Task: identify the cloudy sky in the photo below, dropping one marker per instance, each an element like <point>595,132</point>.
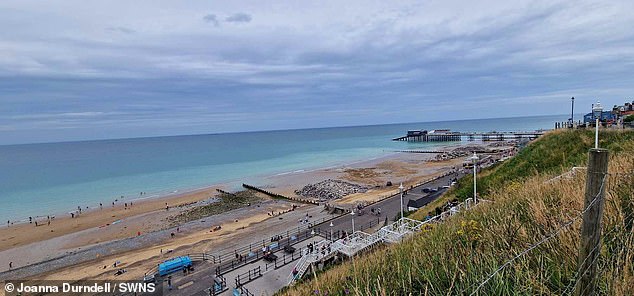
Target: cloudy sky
<point>81,69</point>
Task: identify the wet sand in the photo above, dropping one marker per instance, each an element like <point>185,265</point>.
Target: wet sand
<point>25,233</point>
<point>26,244</point>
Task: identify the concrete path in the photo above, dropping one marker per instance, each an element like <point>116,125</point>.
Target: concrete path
<point>274,279</point>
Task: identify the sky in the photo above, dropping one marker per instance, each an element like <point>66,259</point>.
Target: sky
<point>76,69</point>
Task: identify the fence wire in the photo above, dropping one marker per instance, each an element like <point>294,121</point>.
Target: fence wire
<point>545,239</point>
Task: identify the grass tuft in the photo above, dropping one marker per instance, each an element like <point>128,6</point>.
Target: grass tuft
<point>456,256</point>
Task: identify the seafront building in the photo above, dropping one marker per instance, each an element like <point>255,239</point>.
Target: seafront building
<point>609,117</point>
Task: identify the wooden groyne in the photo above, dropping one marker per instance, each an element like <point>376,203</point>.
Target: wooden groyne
<point>446,136</point>
<point>276,195</point>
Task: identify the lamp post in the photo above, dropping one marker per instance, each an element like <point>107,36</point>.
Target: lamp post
<point>597,112</point>
<point>400,188</point>
<point>474,160</point>
<point>572,113</point>
<point>331,226</point>
<point>352,213</point>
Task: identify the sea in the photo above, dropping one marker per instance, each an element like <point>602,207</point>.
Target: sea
<point>55,178</point>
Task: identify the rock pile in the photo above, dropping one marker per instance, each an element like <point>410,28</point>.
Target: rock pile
<point>462,151</point>
<point>504,143</point>
<point>330,189</point>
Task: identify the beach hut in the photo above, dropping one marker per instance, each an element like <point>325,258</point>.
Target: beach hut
<point>174,264</point>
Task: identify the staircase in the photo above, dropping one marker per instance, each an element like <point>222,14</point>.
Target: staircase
<point>360,240</point>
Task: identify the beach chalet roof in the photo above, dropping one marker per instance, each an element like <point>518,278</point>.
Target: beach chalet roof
<point>423,201</point>
<point>419,203</point>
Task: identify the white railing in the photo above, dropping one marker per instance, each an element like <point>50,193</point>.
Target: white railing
<point>321,249</point>
<point>360,240</point>
<point>299,266</point>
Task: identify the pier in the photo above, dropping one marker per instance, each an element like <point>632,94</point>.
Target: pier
<point>447,136</point>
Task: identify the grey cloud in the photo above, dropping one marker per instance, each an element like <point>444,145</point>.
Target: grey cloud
<point>123,30</point>
<point>510,58</point>
<point>239,18</point>
<point>212,19</point>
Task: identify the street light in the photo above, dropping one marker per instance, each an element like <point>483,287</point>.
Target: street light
<point>597,112</point>
<point>352,213</point>
<point>474,160</point>
<point>572,113</point>
<point>400,188</point>
<point>331,226</point>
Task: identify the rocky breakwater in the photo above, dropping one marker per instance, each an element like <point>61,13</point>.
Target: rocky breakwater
<point>457,152</point>
<point>330,189</point>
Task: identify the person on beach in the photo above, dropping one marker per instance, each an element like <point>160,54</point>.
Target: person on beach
<point>100,206</point>
<point>8,223</point>
<point>49,222</point>
<point>30,220</point>
<point>10,265</point>
<point>72,215</point>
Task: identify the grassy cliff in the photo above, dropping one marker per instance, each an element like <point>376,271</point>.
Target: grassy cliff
<point>456,256</point>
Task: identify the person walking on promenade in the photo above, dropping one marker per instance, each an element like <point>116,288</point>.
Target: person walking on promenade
<point>10,265</point>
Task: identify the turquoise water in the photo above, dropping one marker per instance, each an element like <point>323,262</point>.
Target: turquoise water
<point>41,179</point>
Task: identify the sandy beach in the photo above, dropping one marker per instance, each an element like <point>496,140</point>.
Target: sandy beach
<point>25,244</point>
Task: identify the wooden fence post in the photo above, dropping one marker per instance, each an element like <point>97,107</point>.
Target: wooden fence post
<point>589,248</point>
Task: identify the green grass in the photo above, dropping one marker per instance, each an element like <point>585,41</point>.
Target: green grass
<point>555,153</point>
<point>456,256</point>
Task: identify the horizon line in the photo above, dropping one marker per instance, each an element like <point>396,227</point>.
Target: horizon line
<point>263,131</point>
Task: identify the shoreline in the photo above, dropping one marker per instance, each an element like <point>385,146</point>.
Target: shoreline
<point>111,215</point>
<point>183,191</point>
<point>96,227</point>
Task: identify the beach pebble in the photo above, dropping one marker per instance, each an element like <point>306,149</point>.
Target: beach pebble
<point>330,189</point>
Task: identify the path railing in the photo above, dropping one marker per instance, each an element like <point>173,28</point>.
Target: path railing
<point>248,276</point>
<point>359,240</point>
<point>250,253</point>
<point>219,286</point>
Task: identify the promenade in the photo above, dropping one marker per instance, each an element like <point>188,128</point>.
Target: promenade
<point>261,277</point>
